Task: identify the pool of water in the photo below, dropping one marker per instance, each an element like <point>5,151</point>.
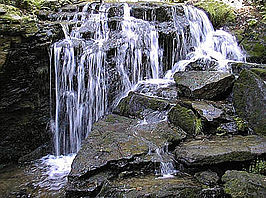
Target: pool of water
<point>45,178</point>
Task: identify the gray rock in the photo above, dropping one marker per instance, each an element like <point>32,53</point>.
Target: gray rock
<point>208,178</point>
<point>203,84</point>
<point>151,186</point>
<point>249,99</point>
<point>136,105</point>
<point>207,111</point>
<point>243,184</point>
<point>117,144</point>
<point>220,150</point>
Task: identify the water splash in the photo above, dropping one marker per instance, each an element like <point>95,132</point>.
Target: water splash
<point>208,44</point>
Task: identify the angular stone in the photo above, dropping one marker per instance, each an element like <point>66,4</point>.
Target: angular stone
<point>136,105</point>
<point>151,186</point>
<point>185,119</point>
<point>244,184</point>
<point>117,144</point>
<point>237,67</point>
<point>220,150</point>
<point>207,111</point>
<point>208,178</point>
<point>203,84</point>
<point>249,99</point>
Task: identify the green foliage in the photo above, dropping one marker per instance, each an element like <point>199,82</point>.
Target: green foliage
<point>219,12</point>
<point>259,167</point>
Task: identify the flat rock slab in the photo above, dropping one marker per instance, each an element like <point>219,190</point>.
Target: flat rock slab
<point>116,144</point>
<point>220,150</point>
<point>210,85</point>
<point>152,186</point>
<point>244,184</point>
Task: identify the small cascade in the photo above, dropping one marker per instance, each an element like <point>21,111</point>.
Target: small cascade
<point>166,163</point>
<point>207,44</point>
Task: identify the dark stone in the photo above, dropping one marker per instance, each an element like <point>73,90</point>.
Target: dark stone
<point>115,145</point>
<point>243,184</point>
<point>151,186</point>
<point>136,105</point>
<point>202,64</point>
<point>208,178</point>
<point>249,94</point>
<point>186,119</point>
<point>203,84</point>
<point>259,69</point>
<point>220,150</point>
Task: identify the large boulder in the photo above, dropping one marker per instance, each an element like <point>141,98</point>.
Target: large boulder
<point>204,84</point>
<point>220,150</point>
<point>119,144</point>
<point>249,93</point>
<point>243,184</point>
<point>138,105</point>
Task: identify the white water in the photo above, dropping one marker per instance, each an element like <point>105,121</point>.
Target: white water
<point>81,72</point>
<point>208,44</point>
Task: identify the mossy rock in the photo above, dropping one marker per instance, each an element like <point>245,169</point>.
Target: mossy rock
<point>221,150</point>
<point>240,184</point>
<point>186,119</point>
<point>249,94</point>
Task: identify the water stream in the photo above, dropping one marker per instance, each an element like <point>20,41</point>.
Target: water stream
<point>84,71</point>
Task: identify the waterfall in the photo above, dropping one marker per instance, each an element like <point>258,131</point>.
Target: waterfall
<point>81,69</point>
<point>101,58</point>
<point>208,44</point>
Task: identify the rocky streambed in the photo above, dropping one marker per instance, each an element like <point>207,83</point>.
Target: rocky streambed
<point>202,135</point>
<point>191,145</point>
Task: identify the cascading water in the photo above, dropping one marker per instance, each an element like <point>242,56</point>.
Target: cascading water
<point>97,49</point>
<point>208,44</point>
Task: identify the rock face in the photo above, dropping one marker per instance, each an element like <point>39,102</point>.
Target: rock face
<point>151,186</point>
<point>243,184</point>
<point>203,84</point>
<point>118,144</point>
<point>249,93</point>
<point>220,150</point>
<point>24,82</point>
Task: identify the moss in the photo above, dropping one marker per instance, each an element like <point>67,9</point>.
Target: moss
<point>260,72</point>
<point>185,119</point>
<point>259,167</point>
<point>241,124</point>
<point>219,12</point>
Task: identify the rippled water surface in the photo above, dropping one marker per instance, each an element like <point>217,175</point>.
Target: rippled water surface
<point>45,177</point>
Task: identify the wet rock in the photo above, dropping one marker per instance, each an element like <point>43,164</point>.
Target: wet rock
<point>151,186</point>
<point>136,105</point>
<point>237,126</point>
<point>207,111</point>
<point>259,69</point>
<point>208,178</point>
<point>243,184</point>
<point>167,91</point>
<point>186,119</point>
<point>203,84</point>
<point>115,145</point>
<point>220,150</point>
<point>249,94</point>
<point>202,64</point>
